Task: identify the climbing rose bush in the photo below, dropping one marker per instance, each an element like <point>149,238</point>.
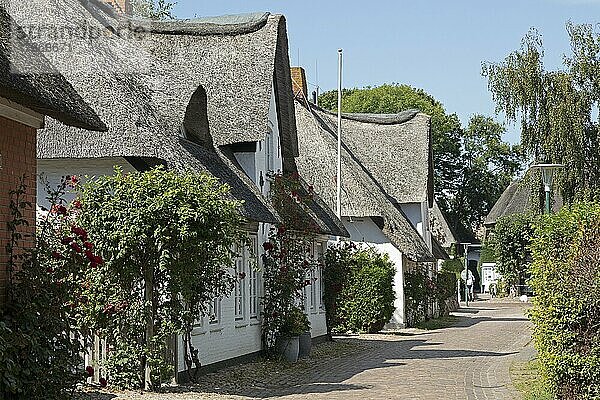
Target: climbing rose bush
<point>167,239</point>
<point>40,346</point>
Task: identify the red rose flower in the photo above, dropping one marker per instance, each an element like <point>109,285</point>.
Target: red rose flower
<point>268,246</point>
<point>76,204</point>
<point>281,230</point>
<point>103,382</point>
<point>56,255</point>
<point>76,247</point>
<point>72,180</point>
<point>98,260</point>
<point>90,256</point>
<point>88,245</point>
<point>79,232</point>
<point>89,370</point>
<point>59,209</point>
<point>66,240</point>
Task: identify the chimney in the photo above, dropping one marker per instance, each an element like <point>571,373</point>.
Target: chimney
<point>121,6</point>
<point>299,86</point>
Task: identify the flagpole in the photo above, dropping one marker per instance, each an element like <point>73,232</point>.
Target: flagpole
<point>339,138</point>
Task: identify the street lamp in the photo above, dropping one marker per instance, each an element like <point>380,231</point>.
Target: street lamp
<point>547,175</point>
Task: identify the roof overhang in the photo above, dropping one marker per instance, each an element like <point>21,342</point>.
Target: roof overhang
<point>23,115</point>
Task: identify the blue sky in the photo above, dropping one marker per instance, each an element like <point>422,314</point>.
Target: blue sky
<point>436,45</point>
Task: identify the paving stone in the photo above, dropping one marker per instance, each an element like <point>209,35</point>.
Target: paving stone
<point>468,361</point>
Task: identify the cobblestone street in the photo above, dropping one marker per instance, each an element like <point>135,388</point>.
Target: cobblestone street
<point>468,361</point>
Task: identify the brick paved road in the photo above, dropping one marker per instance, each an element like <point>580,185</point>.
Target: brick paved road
<point>468,361</point>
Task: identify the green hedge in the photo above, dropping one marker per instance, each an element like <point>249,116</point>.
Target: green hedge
<point>566,312</point>
<point>359,289</point>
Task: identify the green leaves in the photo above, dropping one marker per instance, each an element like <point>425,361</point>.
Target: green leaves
<point>555,108</point>
<point>566,313</point>
<point>510,243</point>
<point>359,295</point>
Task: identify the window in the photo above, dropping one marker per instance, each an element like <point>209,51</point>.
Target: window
<point>269,150</point>
<point>313,292</point>
<point>240,273</point>
<point>253,281</point>
<point>214,311</point>
<point>319,252</point>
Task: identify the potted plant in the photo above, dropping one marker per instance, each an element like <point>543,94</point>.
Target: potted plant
<point>288,340</point>
<point>305,338</point>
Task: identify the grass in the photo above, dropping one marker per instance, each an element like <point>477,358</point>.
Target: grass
<point>438,323</point>
<point>526,378</point>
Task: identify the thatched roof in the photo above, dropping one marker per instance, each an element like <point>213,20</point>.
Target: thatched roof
<point>239,61</point>
<point>395,148</point>
<point>362,196</point>
<point>29,79</point>
<point>438,250</point>
<point>519,198</point>
<point>128,87</point>
<point>440,228</point>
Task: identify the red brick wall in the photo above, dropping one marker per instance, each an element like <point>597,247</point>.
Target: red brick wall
<point>18,158</point>
<point>122,6</point>
<point>299,85</point>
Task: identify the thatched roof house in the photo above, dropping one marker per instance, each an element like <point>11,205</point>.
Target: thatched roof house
<point>28,79</point>
<point>395,149</point>
<point>362,195</point>
<point>240,61</point>
<point>521,197</point>
<point>127,86</point>
<point>440,228</point>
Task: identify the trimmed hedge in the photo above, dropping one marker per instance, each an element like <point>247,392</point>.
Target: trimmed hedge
<point>359,289</point>
<point>566,312</point>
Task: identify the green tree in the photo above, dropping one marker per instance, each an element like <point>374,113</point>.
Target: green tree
<point>555,108</point>
<point>488,166</point>
<point>153,9</point>
<point>510,243</point>
<point>168,243</point>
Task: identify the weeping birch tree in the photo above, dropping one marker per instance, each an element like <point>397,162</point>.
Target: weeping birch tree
<point>557,109</point>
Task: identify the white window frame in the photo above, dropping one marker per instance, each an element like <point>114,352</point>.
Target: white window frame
<point>319,253</point>
<point>254,283</point>
<point>269,159</point>
<point>312,301</point>
<point>239,294</point>
<point>214,311</point>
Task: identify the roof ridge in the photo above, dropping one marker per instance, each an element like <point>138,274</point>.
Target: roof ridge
<point>374,118</point>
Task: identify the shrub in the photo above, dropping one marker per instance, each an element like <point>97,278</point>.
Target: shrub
<point>565,275</point>
<point>446,292</point>
<point>364,294</point>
